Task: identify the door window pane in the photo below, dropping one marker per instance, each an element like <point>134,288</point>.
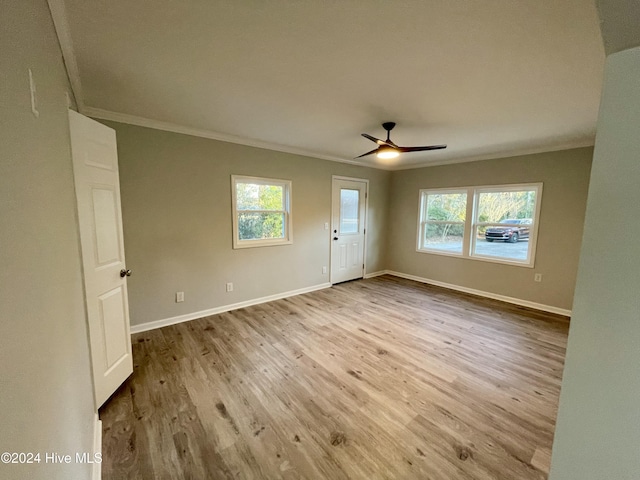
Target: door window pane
<point>349,211</point>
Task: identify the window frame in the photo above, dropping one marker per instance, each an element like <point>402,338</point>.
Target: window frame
<point>287,239</point>
<point>472,224</point>
<point>423,221</point>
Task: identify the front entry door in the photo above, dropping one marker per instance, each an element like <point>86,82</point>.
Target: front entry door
<point>349,201</point>
<point>95,170</point>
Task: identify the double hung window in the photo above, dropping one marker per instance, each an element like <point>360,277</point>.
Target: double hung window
<point>261,211</point>
<point>493,223</point>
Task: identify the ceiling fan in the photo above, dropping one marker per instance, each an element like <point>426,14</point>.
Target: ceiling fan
<point>388,149</point>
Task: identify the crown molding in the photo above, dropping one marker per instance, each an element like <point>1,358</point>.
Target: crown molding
<point>223,137</point>
<point>506,154</point>
<point>63,32</point>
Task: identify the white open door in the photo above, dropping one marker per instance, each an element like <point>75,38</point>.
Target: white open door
<point>95,168</point>
<point>349,215</point>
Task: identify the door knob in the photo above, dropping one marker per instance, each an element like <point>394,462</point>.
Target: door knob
<point>125,273</point>
<point>335,238</point>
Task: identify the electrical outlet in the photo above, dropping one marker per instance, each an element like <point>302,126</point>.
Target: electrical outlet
<point>324,270</point>
<point>229,287</point>
<point>537,277</point>
<point>179,297</point>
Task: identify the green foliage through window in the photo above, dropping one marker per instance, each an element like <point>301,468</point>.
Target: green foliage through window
<point>255,196</point>
<point>441,209</point>
<point>262,208</point>
<point>493,207</point>
<point>260,225</point>
<point>496,223</point>
<point>447,206</point>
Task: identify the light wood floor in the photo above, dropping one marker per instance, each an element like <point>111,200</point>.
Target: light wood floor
<point>375,379</point>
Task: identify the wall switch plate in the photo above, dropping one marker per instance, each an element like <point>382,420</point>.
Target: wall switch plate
<point>229,287</point>
<point>179,297</point>
<point>324,270</point>
<point>326,225</point>
<point>537,277</point>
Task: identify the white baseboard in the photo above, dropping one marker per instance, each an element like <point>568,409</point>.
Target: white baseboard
<point>481,293</point>
<point>143,327</point>
<point>375,274</point>
<point>96,471</point>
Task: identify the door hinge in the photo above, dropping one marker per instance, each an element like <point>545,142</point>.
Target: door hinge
<point>364,231</point>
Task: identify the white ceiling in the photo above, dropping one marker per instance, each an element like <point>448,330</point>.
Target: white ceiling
<point>489,78</point>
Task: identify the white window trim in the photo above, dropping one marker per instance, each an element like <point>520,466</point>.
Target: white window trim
<point>267,242</point>
<point>470,224</point>
<point>422,223</point>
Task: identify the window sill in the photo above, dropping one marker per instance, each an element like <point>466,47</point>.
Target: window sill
<point>259,243</point>
<point>514,263</point>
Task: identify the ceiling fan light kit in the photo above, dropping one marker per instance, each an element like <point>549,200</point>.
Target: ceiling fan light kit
<point>387,149</point>
<point>386,152</point>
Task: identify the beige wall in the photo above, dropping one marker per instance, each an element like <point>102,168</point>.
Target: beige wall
<point>176,198</point>
<point>598,429</point>
<point>176,202</point>
<point>46,401</point>
<point>619,20</point>
<point>565,175</point>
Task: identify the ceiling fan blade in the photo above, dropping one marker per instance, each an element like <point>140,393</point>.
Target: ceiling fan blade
<point>421,149</point>
<point>374,139</point>
<point>368,153</point>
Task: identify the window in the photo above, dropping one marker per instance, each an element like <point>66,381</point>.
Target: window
<point>443,223</point>
<point>261,211</point>
<point>504,221</point>
<point>349,203</point>
<point>496,224</point>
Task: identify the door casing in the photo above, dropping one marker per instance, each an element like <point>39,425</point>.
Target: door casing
<point>336,180</point>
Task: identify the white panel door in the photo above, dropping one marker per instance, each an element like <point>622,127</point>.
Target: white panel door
<point>95,169</point>
<point>349,201</point>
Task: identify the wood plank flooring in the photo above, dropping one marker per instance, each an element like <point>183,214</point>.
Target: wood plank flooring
<point>382,378</point>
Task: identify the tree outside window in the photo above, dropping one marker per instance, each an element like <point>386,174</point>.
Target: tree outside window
<point>262,209</point>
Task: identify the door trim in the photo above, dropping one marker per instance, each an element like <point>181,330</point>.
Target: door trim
<point>366,222</point>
